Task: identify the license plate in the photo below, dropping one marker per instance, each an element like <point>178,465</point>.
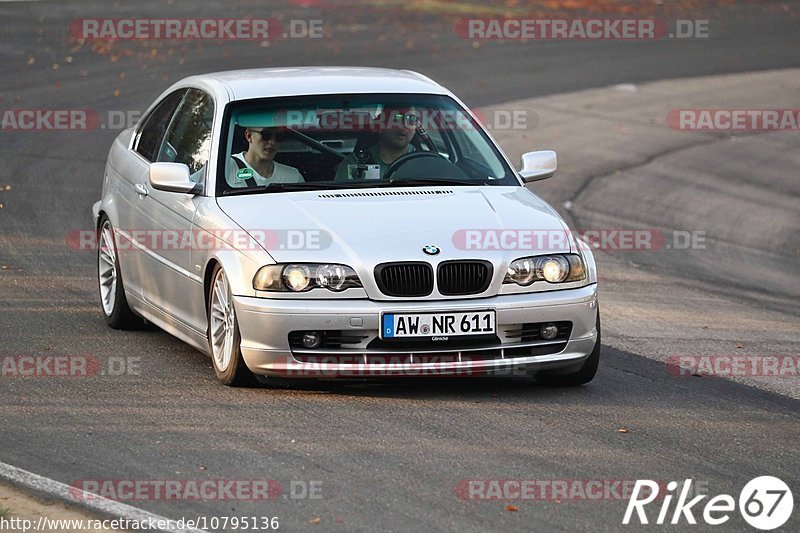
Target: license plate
<point>427,325</point>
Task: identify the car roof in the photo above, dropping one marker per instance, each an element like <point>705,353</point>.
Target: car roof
<point>301,81</point>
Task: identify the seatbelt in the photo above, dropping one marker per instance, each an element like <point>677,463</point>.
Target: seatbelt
<point>251,182</point>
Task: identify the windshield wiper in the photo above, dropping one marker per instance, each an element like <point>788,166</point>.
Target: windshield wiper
<point>428,181</point>
<point>284,187</point>
<point>326,185</point>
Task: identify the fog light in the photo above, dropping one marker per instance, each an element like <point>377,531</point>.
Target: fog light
<point>311,339</point>
<point>549,331</point>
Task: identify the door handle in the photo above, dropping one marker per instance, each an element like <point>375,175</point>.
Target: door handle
<point>141,189</point>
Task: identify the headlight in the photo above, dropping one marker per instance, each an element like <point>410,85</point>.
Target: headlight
<point>297,277</point>
<point>555,269</point>
<point>522,271</point>
<point>550,268</point>
<point>332,277</point>
<point>304,277</point>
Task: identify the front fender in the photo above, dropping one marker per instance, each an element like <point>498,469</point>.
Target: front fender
<point>96,213</point>
<point>239,269</point>
<point>588,258</point>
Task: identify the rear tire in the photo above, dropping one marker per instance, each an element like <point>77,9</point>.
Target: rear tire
<point>580,377</point>
<point>224,340</point>
<point>115,307</point>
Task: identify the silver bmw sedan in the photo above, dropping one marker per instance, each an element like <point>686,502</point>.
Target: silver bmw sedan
<point>340,222</point>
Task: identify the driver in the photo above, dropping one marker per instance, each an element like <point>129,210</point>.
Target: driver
<point>394,141</point>
<point>257,165</point>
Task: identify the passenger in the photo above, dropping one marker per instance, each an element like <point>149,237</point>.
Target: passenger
<point>257,165</point>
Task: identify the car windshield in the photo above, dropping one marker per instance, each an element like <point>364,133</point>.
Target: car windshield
<point>355,141</point>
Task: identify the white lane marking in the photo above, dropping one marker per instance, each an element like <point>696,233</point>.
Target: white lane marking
<point>57,490</point>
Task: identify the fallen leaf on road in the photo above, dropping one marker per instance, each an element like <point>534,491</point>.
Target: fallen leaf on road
<point>512,508</point>
<point>623,430</point>
<point>314,521</point>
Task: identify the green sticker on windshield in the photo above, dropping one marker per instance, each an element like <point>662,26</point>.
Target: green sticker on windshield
<point>245,173</point>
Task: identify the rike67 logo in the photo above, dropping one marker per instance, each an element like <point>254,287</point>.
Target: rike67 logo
<point>765,503</point>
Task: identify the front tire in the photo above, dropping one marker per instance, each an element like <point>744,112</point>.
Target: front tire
<point>224,340</point>
<point>115,307</point>
<point>580,377</point>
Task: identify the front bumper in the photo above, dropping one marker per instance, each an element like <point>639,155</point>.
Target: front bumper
<point>265,325</point>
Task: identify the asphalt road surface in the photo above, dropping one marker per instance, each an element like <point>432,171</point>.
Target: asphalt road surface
<point>390,455</point>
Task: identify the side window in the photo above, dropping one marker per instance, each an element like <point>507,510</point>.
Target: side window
<point>188,140</point>
<point>152,132</point>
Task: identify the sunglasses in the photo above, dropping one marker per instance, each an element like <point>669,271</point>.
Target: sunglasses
<point>407,118</point>
<point>270,134</point>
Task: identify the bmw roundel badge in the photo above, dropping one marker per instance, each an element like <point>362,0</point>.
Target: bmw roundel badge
<point>431,249</point>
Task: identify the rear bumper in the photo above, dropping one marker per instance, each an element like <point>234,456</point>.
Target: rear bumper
<point>265,325</point>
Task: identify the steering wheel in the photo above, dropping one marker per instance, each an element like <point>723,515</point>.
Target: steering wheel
<point>411,156</point>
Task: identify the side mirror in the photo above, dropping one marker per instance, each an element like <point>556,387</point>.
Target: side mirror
<point>172,177</point>
<point>538,165</point>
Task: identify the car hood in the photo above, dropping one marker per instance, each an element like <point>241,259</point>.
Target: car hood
<point>365,227</point>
